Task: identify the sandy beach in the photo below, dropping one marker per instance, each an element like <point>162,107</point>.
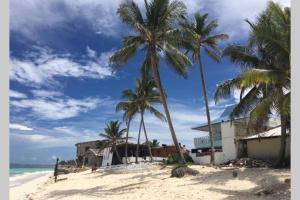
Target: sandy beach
<point>211,183</point>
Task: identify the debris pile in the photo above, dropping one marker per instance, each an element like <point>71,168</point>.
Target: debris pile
<point>247,162</point>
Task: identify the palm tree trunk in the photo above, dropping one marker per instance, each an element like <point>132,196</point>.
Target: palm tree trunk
<point>126,141</point>
<point>117,153</point>
<point>155,70</point>
<point>138,144</point>
<point>146,136</point>
<point>281,158</point>
<point>211,136</point>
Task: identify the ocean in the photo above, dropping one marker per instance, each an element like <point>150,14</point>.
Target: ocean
<point>20,174</point>
<point>18,171</point>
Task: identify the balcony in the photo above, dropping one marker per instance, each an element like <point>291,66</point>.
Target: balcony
<point>204,142</point>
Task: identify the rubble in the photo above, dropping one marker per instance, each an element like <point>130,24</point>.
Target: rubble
<point>247,162</point>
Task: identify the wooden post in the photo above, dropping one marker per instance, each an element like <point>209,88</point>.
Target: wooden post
<point>56,170</point>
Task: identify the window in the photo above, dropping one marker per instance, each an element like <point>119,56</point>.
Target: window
<point>87,148</point>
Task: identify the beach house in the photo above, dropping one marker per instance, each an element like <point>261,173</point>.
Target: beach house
<point>90,153</point>
<point>229,138</point>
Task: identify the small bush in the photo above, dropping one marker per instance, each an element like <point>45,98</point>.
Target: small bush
<point>174,158</point>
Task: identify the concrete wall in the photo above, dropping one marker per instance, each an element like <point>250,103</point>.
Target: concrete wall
<point>267,149</point>
<point>107,157</point>
<point>81,147</point>
<point>219,158</point>
<point>228,144</point>
<point>228,147</point>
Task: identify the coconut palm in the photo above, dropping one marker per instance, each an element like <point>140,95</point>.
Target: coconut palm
<point>153,143</point>
<point>113,135</point>
<point>199,37</point>
<point>266,71</point>
<point>130,109</point>
<point>155,33</point>
<point>147,95</point>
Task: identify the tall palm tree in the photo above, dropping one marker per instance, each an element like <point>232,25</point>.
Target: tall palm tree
<point>156,32</point>
<point>130,109</point>
<point>147,95</point>
<point>113,136</point>
<point>266,63</point>
<point>199,37</point>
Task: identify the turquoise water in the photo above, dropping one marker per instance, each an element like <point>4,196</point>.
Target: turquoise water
<point>18,171</point>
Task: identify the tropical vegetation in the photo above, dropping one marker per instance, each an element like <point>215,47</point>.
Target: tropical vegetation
<point>156,33</point>
<point>142,99</point>
<point>264,83</point>
<point>199,37</point>
<point>113,135</point>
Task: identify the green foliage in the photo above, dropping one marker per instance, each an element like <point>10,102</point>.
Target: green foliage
<point>266,63</point>
<point>156,32</point>
<point>113,134</point>
<point>174,158</point>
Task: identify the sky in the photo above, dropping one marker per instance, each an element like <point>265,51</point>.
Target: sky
<point>63,91</point>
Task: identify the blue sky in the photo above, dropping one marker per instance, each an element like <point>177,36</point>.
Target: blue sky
<point>62,89</point>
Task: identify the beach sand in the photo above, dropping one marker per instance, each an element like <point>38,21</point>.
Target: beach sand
<point>211,184</point>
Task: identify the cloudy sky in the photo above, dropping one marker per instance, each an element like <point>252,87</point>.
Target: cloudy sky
<point>62,90</point>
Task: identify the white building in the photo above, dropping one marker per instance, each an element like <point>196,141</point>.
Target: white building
<point>227,138</point>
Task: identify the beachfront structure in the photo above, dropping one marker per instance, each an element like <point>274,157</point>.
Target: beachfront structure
<point>228,138</point>
<point>91,154</point>
<point>266,145</point>
<point>165,150</point>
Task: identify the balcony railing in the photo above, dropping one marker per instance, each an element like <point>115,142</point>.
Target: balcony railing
<point>204,142</point>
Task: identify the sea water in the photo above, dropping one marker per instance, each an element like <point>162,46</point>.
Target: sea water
<point>21,175</point>
<point>18,171</point>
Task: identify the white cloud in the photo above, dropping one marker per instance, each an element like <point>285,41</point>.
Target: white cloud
<point>46,93</point>
<point>28,16</point>
<point>41,68</point>
<point>231,14</point>
<point>16,94</point>
<point>56,108</point>
<point>19,127</point>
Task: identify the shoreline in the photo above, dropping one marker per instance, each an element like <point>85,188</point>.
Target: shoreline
<point>21,186</point>
<point>20,179</point>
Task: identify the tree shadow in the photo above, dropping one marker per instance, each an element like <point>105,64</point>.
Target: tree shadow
<point>97,191</point>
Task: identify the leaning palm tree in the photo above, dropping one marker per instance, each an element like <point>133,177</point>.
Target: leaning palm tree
<point>113,136</point>
<point>147,95</point>
<point>156,33</point>
<point>266,74</point>
<point>199,37</point>
<point>129,108</point>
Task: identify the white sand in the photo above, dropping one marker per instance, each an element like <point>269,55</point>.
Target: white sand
<point>211,184</point>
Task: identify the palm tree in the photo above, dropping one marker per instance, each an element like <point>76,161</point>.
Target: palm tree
<point>266,63</point>
<point>154,143</point>
<point>156,32</point>
<point>130,109</point>
<point>113,136</point>
<point>198,36</point>
<point>147,95</point>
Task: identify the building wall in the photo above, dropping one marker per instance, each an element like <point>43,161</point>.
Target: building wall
<point>81,147</point>
<point>107,157</point>
<point>219,158</point>
<point>228,141</point>
<point>229,150</point>
<point>267,149</point>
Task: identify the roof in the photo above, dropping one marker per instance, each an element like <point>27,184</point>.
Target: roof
<point>225,116</point>
<point>274,132</point>
<point>87,142</point>
<point>96,152</point>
